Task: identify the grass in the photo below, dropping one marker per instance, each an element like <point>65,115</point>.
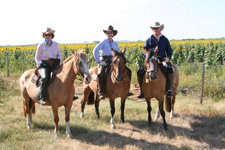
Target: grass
<point>195,126</point>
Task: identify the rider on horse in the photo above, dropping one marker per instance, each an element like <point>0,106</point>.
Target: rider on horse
<point>164,52</point>
<point>47,57</point>
<point>105,59</point>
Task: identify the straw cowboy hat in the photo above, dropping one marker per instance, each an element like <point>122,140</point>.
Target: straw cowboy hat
<point>49,30</point>
<point>110,28</point>
<point>157,25</point>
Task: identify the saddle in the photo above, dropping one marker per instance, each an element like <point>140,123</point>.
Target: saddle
<point>36,78</point>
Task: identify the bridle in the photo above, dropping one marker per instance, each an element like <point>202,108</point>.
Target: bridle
<point>124,79</point>
<point>77,67</point>
<point>155,71</point>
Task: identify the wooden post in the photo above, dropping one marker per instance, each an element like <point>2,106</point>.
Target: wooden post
<point>203,76</point>
<point>7,66</point>
<point>23,63</point>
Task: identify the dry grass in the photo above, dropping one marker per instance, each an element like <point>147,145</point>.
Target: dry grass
<point>195,126</point>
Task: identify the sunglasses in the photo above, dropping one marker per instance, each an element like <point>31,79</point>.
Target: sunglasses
<point>109,32</point>
<point>155,28</point>
<point>48,34</point>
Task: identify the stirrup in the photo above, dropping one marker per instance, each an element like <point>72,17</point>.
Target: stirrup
<point>102,96</point>
<point>42,102</point>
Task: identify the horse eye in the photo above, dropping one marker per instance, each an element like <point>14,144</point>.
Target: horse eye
<point>114,62</point>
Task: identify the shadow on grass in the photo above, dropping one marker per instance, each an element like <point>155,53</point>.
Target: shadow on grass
<point>210,130</point>
<point>102,138</point>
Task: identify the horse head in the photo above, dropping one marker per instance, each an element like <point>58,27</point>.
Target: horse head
<point>119,64</point>
<point>81,66</point>
<point>151,64</point>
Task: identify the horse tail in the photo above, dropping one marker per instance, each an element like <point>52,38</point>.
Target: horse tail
<point>24,109</point>
<point>34,108</point>
<point>168,104</point>
<point>91,98</point>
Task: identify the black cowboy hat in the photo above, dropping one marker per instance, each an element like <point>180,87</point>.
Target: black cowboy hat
<point>110,28</point>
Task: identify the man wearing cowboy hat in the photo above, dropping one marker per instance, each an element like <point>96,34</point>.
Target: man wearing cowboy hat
<point>47,56</point>
<point>104,48</point>
<point>164,51</point>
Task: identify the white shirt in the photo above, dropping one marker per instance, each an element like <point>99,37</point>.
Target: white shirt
<point>45,52</point>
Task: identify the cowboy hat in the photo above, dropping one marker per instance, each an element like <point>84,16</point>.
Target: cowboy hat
<point>49,30</point>
<point>110,28</point>
<point>157,25</point>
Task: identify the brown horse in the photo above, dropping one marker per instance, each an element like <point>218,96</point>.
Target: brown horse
<point>154,86</point>
<point>118,85</point>
<point>60,90</point>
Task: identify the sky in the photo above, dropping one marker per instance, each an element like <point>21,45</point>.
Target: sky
<point>76,21</point>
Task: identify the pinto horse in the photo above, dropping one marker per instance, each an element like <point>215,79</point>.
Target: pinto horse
<point>154,86</point>
<point>60,90</point>
<point>118,85</point>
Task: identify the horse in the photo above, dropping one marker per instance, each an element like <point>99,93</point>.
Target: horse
<point>154,86</point>
<point>118,85</point>
<point>60,90</point>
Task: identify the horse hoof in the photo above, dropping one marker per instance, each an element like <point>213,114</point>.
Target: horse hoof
<point>113,127</point>
<point>56,135</point>
<point>69,135</point>
<point>81,115</point>
<point>29,127</point>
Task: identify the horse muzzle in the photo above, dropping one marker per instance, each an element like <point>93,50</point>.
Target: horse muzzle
<point>119,78</point>
<point>87,78</point>
<point>151,76</point>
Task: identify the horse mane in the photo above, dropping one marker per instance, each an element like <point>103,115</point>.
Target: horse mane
<point>68,59</point>
<point>150,53</point>
<point>118,53</point>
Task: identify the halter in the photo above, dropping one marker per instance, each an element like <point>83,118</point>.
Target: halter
<point>76,68</point>
<point>123,69</point>
<point>153,71</point>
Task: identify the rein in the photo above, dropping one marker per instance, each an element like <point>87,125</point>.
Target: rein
<point>122,74</point>
<point>68,75</point>
<point>153,71</point>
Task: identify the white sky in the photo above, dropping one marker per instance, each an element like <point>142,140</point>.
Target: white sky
<point>23,21</point>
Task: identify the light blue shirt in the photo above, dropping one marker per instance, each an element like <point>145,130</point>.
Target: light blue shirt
<point>104,48</point>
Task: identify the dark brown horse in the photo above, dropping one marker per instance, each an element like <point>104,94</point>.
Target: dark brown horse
<point>60,91</point>
<point>118,85</point>
<point>154,86</point>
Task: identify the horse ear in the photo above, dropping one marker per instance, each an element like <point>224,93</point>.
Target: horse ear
<point>113,52</point>
<point>72,52</point>
<point>81,50</point>
<point>124,51</point>
<point>145,51</point>
<point>156,49</point>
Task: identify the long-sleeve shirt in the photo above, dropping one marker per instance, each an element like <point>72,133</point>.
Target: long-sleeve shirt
<point>104,48</point>
<point>164,48</point>
<point>45,52</point>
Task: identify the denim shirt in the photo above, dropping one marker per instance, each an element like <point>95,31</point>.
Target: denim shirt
<point>104,48</point>
<point>164,48</point>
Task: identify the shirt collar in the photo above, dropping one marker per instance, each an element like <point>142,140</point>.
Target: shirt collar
<point>157,37</point>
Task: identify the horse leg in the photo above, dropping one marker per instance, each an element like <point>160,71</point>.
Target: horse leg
<point>149,109</point>
<point>67,119</point>
<point>86,93</point>
<point>27,110</point>
<point>157,114</point>
<point>97,106</point>
<point>162,112</point>
<point>112,104</point>
<point>172,108</point>
<point>56,120</point>
<point>123,100</point>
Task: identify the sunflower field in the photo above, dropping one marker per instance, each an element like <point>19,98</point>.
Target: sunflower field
<point>187,55</point>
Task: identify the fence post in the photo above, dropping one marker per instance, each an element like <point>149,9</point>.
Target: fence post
<point>203,77</point>
<point>23,63</point>
<point>7,65</point>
